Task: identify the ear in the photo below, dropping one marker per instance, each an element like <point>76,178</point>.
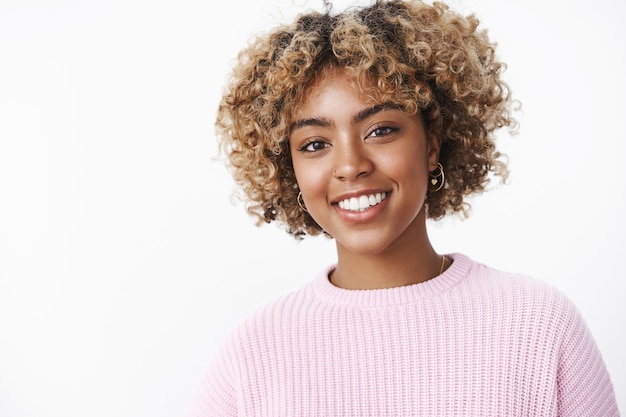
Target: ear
<point>434,146</point>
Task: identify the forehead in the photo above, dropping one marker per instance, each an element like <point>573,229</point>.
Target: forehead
<point>329,84</point>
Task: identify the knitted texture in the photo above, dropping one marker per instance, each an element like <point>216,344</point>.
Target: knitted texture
<point>473,341</point>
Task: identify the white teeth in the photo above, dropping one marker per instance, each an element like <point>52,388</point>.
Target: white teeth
<point>363,202</point>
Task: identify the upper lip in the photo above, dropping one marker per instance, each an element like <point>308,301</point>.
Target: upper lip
<point>356,194</point>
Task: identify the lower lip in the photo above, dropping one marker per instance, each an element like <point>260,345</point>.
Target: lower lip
<point>361,216</point>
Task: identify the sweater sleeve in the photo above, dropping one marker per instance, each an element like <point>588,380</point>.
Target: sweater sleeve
<point>584,385</point>
<point>217,395</point>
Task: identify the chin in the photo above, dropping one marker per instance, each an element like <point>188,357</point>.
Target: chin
<point>364,246</point>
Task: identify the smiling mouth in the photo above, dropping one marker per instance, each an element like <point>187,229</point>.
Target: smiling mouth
<point>362,203</point>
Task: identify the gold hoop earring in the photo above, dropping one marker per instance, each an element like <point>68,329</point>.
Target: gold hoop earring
<point>301,202</point>
<point>436,178</point>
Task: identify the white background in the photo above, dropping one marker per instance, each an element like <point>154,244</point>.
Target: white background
<point>123,263</point>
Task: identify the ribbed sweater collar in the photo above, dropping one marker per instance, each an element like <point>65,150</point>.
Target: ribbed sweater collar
<point>326,291</point>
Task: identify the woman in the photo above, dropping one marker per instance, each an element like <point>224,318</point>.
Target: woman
<point>362,125</point>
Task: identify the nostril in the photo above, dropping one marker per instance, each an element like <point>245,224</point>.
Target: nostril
<point>351,162</point>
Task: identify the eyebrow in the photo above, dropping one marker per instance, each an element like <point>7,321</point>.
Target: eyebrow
<point>313,121</point>
<point>364,114</point>
<point>359,117</point>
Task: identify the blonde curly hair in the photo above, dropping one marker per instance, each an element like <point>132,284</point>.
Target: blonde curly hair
<point>425,58</point>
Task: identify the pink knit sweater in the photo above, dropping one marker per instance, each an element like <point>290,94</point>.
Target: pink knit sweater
<point>473,341</point>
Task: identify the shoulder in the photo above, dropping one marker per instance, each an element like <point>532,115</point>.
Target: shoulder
<point>251,347</point>
<point>537,317</point>
<point>514,283</point>
<point>279,315</point>
<point>535,300</point>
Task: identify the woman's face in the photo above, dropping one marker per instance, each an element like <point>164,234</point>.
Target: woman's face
<point>362,167</point>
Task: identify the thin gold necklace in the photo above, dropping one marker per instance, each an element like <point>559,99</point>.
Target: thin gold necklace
<point>443,263</point>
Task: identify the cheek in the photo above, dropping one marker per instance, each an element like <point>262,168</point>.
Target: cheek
<point>309,176</point>
<point>411,164</point>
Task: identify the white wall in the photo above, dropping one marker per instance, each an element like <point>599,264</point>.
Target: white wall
<point>123,263</point>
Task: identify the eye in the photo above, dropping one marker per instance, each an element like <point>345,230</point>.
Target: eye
<point>313,146</point>
<point>382,131</point>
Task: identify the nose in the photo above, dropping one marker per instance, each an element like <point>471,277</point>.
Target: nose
<point>351,161</point>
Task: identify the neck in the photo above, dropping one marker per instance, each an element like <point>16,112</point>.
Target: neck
<point>411,259</point>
